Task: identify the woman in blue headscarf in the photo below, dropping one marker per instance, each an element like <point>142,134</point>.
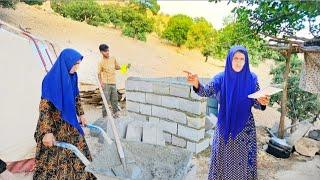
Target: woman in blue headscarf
<point>60,108</point>
<point>234,148</point>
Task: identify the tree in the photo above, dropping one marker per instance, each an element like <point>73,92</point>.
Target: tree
<point>136,24</point>
<point>33,2</point>
<point>274,18</point>
<point>177,29</point>
<point>152,5</point>
<point>200,34</point>
<point>301,104</point>
<point>8,3</point>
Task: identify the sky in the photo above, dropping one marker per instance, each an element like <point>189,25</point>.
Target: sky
<point>213,12</point>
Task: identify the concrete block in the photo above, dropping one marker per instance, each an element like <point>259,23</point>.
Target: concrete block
<point>145,86</point>
<point>194,107</point>
<point>136,96</point>
<point>177,141</point>
<point>196,122</point>
<point>190,133</point>
<point>170,102</point>
<point>195,96</point>
<point>134,131</point>
<point>161,88</point>
<point>137,117</point>
<point>199,146</point>
<point>211,122</point>
<point>154,119</point>
<point>170,127</point>
<point>138,85</point>
<point>153,134</point>
<point>159,112</point>
<point>167,137</point>
<point>153,99</point>
<point>145,109</point>
<point>177,116</point>
<point>180,90</point>
<point>210,133</point>
<point>133,106</point>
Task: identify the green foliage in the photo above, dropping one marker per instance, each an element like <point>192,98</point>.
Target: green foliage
<point>177,29</point>
<point>33,2</point>
<point>301,105</point>
<point>152,5</point>
<point>200,34</point>
<point>88,11</point>
<point>279,17</point>
<point>8,3</point>
<point>136,24</point>
<point>114,13</point>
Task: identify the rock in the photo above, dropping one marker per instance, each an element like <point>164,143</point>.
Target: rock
<point>134,131</point>
<point>307,147</point>
<point>302,129</point>
<point>314,134</point>
<point>211,122</point>
<point>153,134</point>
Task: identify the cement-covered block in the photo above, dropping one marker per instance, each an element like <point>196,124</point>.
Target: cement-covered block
<point>199,146</point>
<point>158,111</point>
<point>161,88</point>
<point>194,107</point>
<point>136,116</point>
<point>190,133</point>
<point>132,85</point>
<point>154,119</point>
<point>177,141</point>
<point>167,137</point>
<point>170,102</point>
<point>136,96</point>
<point>170,127</point>
<point>196,122</point>
<point>145,86</point>
<point>152,134</point>
<point>177,116</point>
<point>180,90</point>
<point>133,106</point>
<point>145,109</point>
<point>210,133</point>
<point>153,99</point>
<point>211,122</point>
<point>134,131</point>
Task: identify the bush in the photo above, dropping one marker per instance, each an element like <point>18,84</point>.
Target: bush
<point>8,3</point>
<point>177,29</point>
<point>88,11</point>
<point>114,13</point>
<point>33,2</point>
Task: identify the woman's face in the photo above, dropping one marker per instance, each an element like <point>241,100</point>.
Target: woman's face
<point>238,61</point>
<point>75,68</point>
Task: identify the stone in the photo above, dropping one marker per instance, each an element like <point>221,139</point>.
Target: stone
<point>196,122</point>
<point>136,96</point>
<point>301,130</point>
<point>199,146</point>
<point>180,90</point>
<point>177,116</point>
<point>190,133</point>
<point>153,99</point>
<point>153,134</point>
<point>307,147</point>
<point>134,131</point>
<point>170,102</point>
<point>158,111</point>
<point>170,127</point>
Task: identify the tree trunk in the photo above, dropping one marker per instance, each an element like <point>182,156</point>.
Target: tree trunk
<point>206,58</point>
<point>285,93</point>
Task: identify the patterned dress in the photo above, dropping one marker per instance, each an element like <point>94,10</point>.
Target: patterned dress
<point>236,160</point>
<point>54,162</point>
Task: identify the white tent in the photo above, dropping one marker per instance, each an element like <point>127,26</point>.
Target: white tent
<point>23,64</point>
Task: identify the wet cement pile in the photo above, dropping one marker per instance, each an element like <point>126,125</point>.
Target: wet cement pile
<point>144,161</point>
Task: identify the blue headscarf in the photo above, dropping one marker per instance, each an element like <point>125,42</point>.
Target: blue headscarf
<point>61,88</point>
<point>235,106</point>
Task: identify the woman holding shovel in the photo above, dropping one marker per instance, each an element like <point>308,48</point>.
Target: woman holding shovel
<point>60,109</point>
<point>234,148</point>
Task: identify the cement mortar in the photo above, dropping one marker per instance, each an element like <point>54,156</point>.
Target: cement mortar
<point>154,162</point>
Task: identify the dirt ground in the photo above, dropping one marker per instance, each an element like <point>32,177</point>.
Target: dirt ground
<point>153,58</point>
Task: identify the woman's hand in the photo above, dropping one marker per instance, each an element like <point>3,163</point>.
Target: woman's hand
<point>48,140</point>
<point>264,100</point>
<point>192,79</point>
<point>83,120</point>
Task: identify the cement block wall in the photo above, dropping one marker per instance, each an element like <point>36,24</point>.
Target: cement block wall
<point>172,103</point>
